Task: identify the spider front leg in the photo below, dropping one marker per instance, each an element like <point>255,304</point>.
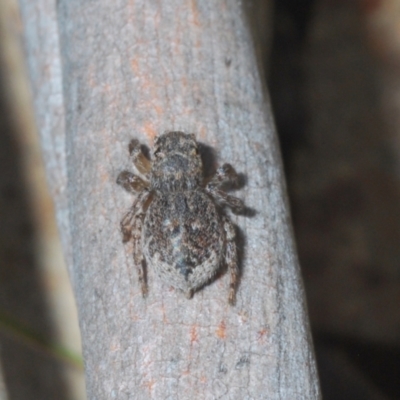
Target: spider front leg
<point>131,183</point>
<point>225,175</point>
<point>141,162</point>
<point>231,257</point>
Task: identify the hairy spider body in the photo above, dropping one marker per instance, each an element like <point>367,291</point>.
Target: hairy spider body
<point>174,223</point>
<point>191,236</point>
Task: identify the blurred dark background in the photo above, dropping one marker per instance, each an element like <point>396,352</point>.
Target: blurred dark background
<point>333,72</point>
<point>334,77</point>
<point>40,350</point>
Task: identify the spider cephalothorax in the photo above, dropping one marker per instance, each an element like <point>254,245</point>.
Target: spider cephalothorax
<point>176,163</point>
<point>175,222</point>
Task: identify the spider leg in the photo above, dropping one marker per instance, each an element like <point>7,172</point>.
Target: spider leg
<point>224,199</point>
<point>225,175</point>
<point>127,225</point>
<point>131,183</point>
<point>141,162</point>
<point>131,228</point>
<point>231,258</point>
<point>138,253</point>
<point>127,220</point>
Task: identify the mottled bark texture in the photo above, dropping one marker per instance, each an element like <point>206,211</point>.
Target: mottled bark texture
<point>136,69</point>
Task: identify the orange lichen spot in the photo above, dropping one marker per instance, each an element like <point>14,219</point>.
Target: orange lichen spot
<point>135,66</point>
<point>149,385</point>
<point>47,71</point>
<point>104,177</point>
<point>221,330</point>
<point>193,334</point>
<point>91,76</point>
<point>106,88</point>
<point>134,317</point>
<point>158,109</point>
<point>115,346</point>
<point>203,379</point>
<point>195,14</point>
<point>202,132</point>
<point>186,372</point>
<point>261,334</point>
<point>175,45</point>
<point>149,130</point>
<point>257,146</point>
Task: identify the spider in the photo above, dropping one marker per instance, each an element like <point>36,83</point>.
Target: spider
<point>175,222</point>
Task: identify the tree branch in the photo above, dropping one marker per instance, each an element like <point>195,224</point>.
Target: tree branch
<point>135,70</point>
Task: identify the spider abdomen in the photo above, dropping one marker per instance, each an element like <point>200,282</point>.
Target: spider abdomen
<point>183,238</point>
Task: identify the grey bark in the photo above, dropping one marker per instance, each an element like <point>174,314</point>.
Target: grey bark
<point>40,28</point>
<point>135,70</point>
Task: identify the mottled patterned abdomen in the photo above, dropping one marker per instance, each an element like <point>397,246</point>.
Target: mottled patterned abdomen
<point>183,238</point>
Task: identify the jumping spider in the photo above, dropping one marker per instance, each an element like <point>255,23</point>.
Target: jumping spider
<point>174,222</point>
